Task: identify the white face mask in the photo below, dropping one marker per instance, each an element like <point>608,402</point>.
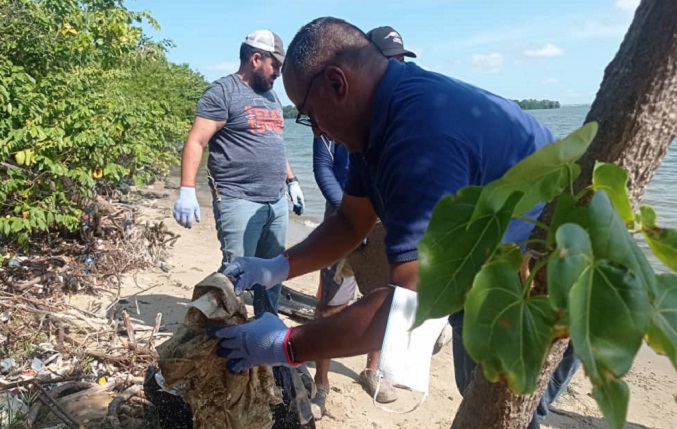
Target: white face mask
<point>406,353</point>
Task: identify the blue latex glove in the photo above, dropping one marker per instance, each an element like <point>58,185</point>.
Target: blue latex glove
<point>186,205</point>
<point>251,344</point>
<point>296,196</point>
<point>249,271</point>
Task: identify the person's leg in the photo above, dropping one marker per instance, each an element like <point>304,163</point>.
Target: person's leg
<point>272,242</point>
<point>238,227</point>
<point>335,294</point>
<point>463,363</point>
<point>556,386</point>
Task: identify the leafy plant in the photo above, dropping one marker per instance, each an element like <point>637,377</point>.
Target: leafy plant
<point>602,291</point>
<point>86,102</point>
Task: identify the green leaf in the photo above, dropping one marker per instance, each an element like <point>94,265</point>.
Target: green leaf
<point>646,217</point>
<point>566,211</point>
<point>608,314</point>
<point>505,330</point>
<point>612,241</point>
<point>614,180</point>
<point>510,253</point>
<point>453,249</point>
<point>566,264</point>
<point>661,241</point>
<point>541,176</point>
<point>608,310</point>
<point>613,398</point>
<point>662,332</point>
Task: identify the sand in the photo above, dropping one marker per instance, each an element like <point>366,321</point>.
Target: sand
<point>652,380</point>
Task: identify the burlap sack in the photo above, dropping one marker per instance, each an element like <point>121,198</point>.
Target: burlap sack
<point>218,398</point>
<point>369,263</point>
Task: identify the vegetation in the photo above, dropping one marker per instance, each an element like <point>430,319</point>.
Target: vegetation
<point>532,104</point>
<point>86,102</point>
<point>289,112</point>
<point>592,262</point>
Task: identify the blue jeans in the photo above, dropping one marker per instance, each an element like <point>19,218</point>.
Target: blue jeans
<point>246,228</point>
<point>464,365</point>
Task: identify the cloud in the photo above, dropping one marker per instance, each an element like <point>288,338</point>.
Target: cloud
<point>224,67</point>
<point>627,5</point>
<point>491,63</point>
<point>546,51</point>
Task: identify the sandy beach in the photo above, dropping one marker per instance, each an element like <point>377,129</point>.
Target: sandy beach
<point>652,380</point>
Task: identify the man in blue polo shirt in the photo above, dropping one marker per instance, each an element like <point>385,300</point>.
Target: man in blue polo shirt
<point>414,136</point>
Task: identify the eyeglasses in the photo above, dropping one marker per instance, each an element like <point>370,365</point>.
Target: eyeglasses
<point>302,118</point>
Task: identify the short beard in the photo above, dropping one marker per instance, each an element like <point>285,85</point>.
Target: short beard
<point>260,84</point>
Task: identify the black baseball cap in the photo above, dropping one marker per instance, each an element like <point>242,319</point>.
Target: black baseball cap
<point>389,41</point>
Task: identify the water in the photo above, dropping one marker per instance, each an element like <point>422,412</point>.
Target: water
<point>299,140</point>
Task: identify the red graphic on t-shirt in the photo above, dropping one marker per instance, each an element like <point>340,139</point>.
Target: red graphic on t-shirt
<point>262,120</point>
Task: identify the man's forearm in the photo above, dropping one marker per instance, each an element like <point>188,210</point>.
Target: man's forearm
<point>357,330</point>
<point>190,162</point>
<point>290,172</point>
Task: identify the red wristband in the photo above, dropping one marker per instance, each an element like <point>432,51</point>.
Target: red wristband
<point>288,350</point>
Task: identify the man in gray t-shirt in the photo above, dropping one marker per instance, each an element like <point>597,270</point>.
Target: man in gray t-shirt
<point>240,117</point>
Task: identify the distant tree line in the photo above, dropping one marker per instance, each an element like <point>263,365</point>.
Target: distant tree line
<point>531,104</point>
<point>290,112</point>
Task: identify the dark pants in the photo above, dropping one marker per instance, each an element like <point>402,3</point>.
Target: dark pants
<point>464,365</point>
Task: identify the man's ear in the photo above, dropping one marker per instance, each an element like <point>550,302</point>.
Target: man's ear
<point>255,59</point>
<point>337,80</point>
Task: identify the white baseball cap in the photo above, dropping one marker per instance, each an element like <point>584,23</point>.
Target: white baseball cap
<point>268,41</point>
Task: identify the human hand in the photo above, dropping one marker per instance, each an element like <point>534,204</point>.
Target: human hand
<point>249,271</point>
<point>186,205</point>
<point>256,343</point>
<point>296,196</point>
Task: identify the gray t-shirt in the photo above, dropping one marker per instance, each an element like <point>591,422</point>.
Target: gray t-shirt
<point>247,157</point>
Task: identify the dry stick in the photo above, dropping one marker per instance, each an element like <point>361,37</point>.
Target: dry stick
<point>14,384</point>
<point>170,241</point>
<point>156,328</point>
<point>23,286</point>
<point>130,329</point>
<point>119,400</point>
<point>96,388</point>
<point>46,398</point>
<point>54,393</point>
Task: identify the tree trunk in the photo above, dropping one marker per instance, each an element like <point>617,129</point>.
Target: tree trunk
<point>636,108</point>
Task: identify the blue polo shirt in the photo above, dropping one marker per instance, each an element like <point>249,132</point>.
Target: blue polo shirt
<point>430,136</point>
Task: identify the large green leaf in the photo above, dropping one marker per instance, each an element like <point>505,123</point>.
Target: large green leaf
<point>612,241</point>
<point>614,180</point>
<point>608,309</point>
<point>541,176</point>
<point>662,332</point>
<point>661,241</point>
<point>613,398</point>
<point>452,251</point>
<point>572,255</point>
<point>505,330</point>
<point>566,211</point>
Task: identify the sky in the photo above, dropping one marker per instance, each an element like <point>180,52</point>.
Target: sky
<point>543,49</point>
